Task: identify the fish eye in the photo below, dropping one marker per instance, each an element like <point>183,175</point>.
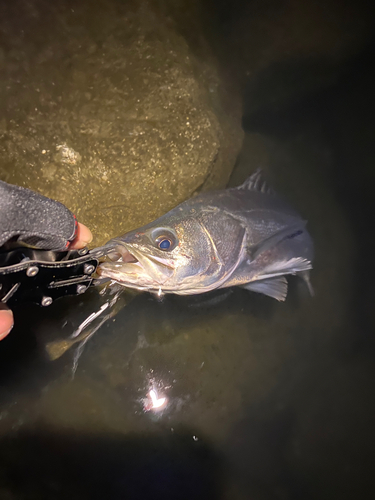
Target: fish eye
<point>164,243</point>
<point>164,239</point>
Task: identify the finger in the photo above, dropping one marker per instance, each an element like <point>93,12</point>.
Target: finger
<point>83,238</point>
<point>6,322</point>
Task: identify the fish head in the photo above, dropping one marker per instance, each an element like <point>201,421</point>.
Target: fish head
<point>172,254</point>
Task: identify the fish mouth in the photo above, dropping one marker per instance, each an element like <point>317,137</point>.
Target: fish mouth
<point>121,254</point>
<point>127,254</point>
<point>127,264</point>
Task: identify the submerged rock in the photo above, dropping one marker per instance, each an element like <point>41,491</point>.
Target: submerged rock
<point>107,108</point>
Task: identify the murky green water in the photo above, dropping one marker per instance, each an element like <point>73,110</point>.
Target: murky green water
<point>263,400</point>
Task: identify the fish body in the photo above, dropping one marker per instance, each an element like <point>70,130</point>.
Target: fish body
<point>245,236</point>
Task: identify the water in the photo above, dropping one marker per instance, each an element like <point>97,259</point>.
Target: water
<point>263,400</point>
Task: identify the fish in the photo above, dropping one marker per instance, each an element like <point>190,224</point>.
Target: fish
<point>246,236</point>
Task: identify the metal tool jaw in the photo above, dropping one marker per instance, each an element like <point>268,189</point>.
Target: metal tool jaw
<point>42,276</point>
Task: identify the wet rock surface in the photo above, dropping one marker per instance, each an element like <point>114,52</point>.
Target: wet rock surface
<point>105,107</point>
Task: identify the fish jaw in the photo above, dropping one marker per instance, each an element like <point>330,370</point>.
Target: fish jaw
<point>131,275</point>
<point>134,266</point>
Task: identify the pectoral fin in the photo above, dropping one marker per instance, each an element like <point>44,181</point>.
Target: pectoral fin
<point>277,288</point>
<point>291,266</point>
<point>288,232</point>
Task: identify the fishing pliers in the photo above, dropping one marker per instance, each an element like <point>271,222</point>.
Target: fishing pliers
<point>36,263</point>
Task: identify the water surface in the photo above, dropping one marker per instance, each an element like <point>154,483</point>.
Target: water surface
<point>264,400</point>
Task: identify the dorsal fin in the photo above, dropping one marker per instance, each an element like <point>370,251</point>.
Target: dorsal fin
<point>256,183</point>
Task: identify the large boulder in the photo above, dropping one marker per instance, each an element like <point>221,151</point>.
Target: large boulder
<point>109,108</point>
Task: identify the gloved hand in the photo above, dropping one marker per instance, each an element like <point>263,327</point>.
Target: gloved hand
<point>31,219</point>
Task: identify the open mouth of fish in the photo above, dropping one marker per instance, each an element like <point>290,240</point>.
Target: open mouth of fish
<point>122,254</point>
<point>125,263</point>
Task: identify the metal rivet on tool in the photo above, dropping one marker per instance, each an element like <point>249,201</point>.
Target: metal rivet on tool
<point>88,268</point>
<point>46,301</point>
<point>32,271</point>
<point>81,289</point>
<point>83,251</point>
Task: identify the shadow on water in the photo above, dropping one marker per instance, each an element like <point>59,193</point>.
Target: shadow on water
<point>85,466</point>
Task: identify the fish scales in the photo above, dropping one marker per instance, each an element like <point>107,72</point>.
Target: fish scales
<point>245,236</point>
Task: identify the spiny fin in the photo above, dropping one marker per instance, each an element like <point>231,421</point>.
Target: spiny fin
<point>256,183</point>
<point>287,232</point>
<point>291,266</point>
<point>277,288</point>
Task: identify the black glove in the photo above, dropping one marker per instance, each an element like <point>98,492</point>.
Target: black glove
<point>31,219</point>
